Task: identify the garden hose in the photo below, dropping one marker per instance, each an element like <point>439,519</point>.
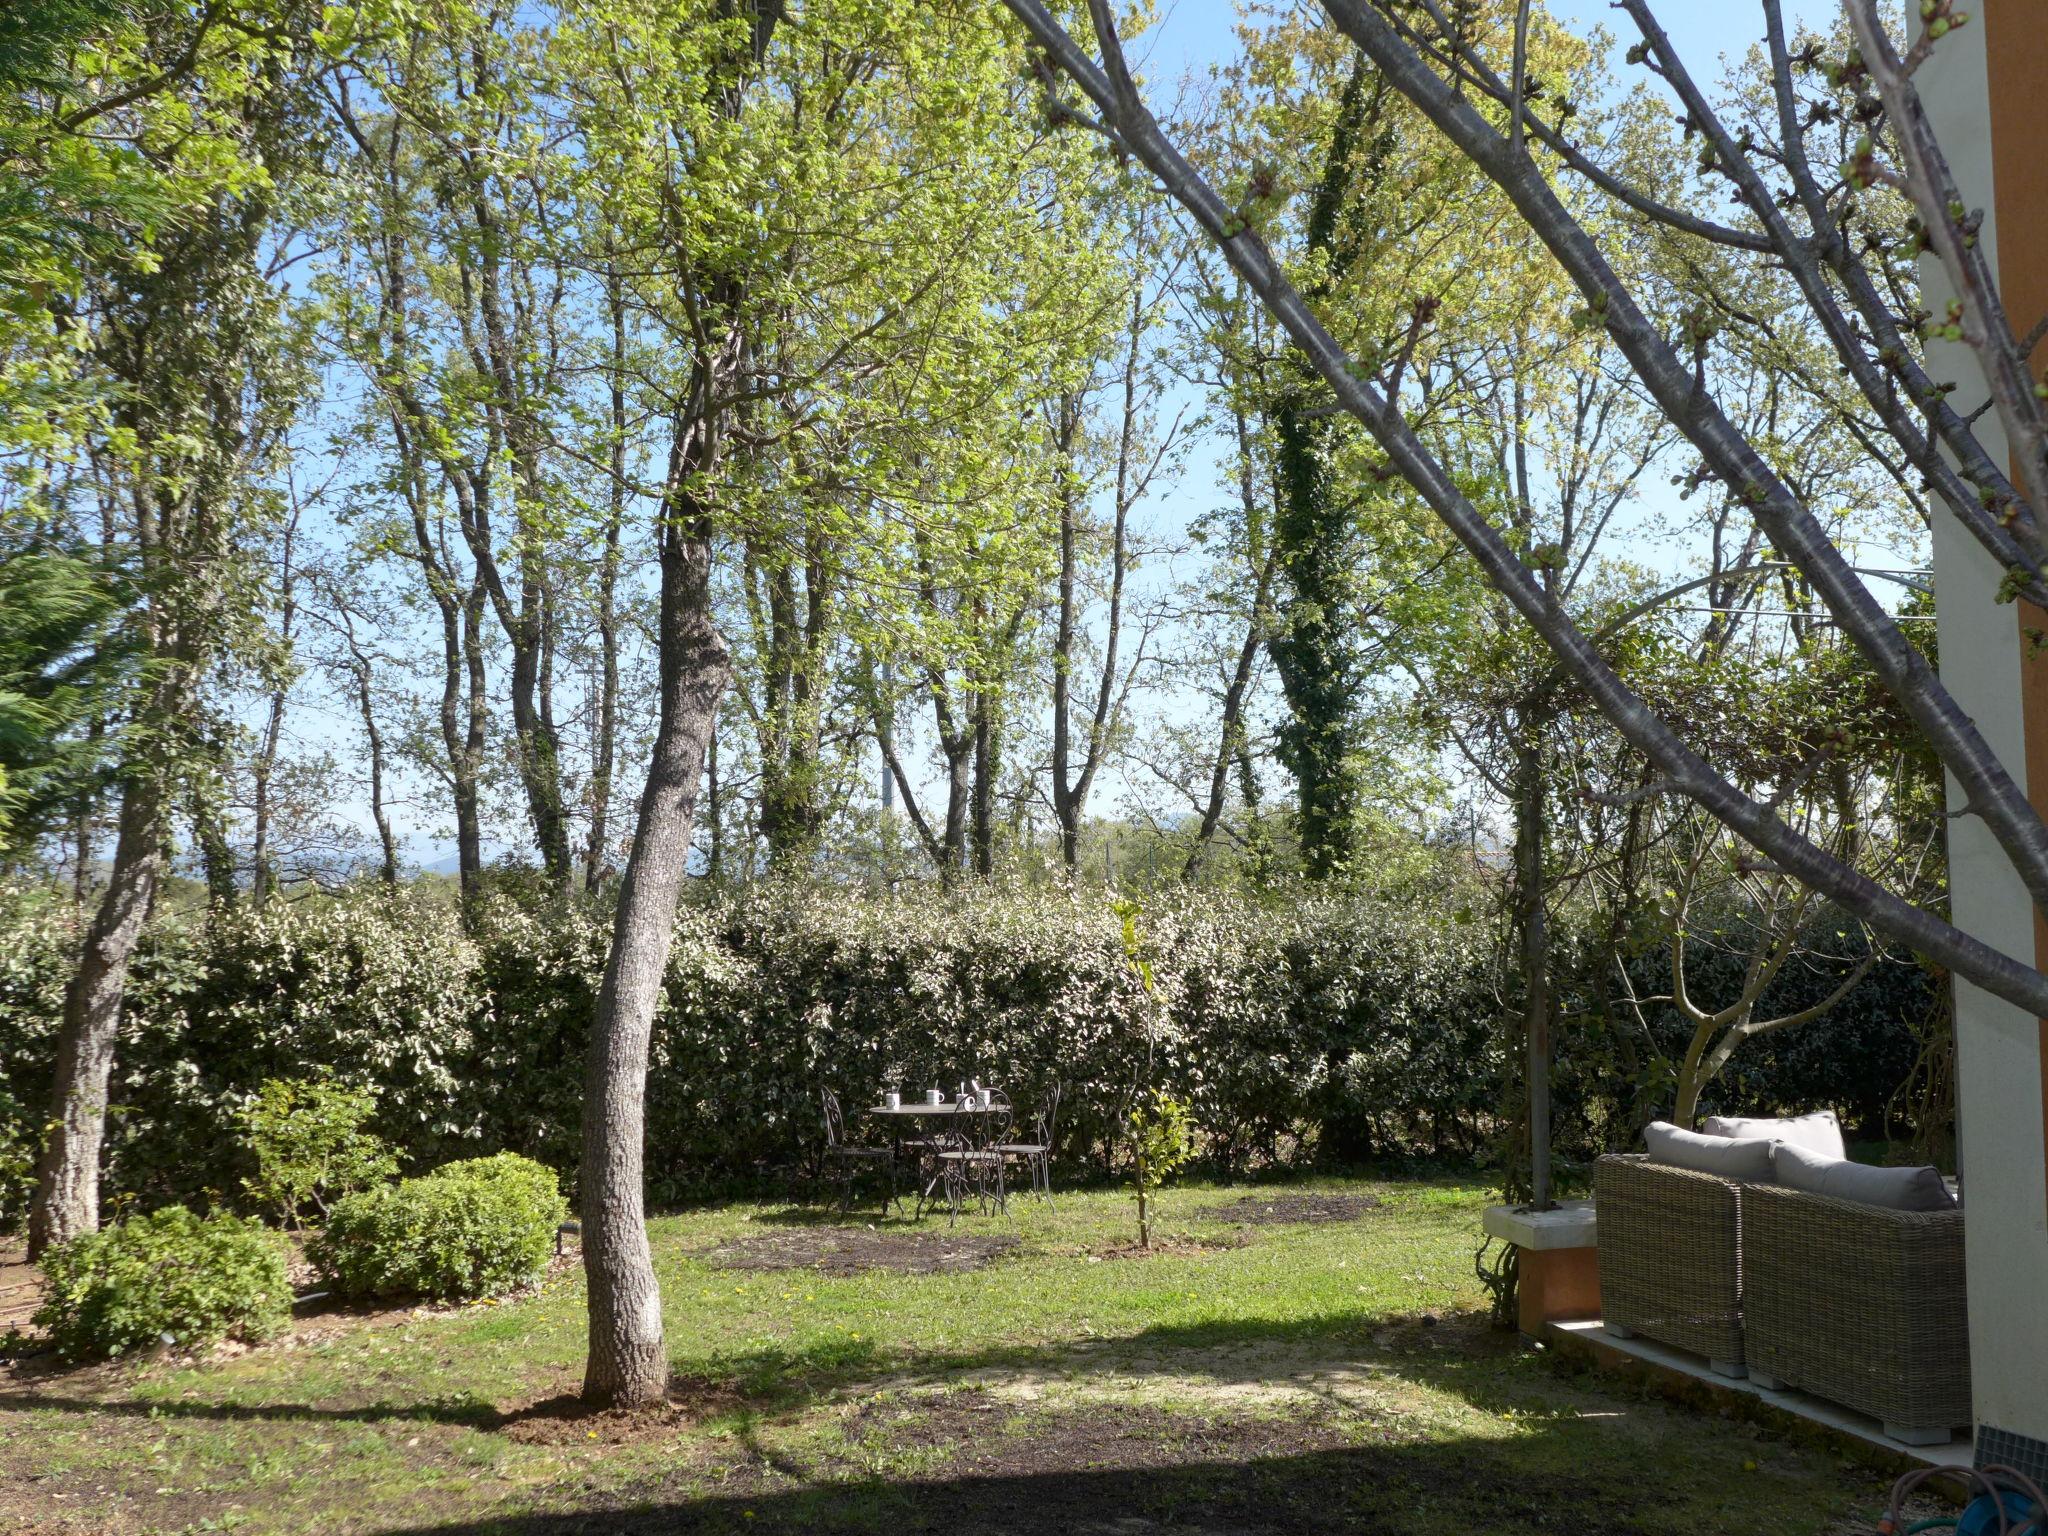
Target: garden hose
<point>2003,1502</point>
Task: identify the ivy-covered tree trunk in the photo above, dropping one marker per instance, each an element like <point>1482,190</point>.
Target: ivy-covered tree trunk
<point>1312,526</point>
<point>793,623</point>
<point>988,763</point>
<point>627,1364</point>
<point>1314,739</point>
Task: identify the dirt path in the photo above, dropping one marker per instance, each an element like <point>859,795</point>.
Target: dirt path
<point>20,1287</point>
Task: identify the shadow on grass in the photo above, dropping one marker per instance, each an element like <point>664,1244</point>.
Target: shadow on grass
<point>459,1409</point>
<point>1459,1354</point>
<point>1439,1488</point>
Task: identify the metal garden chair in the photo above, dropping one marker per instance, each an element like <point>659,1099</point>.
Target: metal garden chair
<point>1036,1153</point>
<point>845,1162</point>
<point>979,1162</point>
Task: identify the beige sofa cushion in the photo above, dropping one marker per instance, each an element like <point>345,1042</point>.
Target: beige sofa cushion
<point>1818,1132</point>
<point>1722,1156</point>
<point>1897,1189</point>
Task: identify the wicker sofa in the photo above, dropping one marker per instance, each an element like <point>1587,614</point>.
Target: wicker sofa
<point>1858,1304</point>
<point>1670,1257</point>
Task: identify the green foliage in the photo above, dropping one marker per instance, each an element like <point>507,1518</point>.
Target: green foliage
<point>1162,1138</point>
<point>167,1276</point>
<point>475,1228</point>
<point>1162,1141</point>
<point>1316,1027</point>
<point>38,937</point>
<point>312,1144</point>
<point>60,665</point>
<point>18,1149</point>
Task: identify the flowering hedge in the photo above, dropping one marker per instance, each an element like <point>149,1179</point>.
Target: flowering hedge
<point>1333,1026</point>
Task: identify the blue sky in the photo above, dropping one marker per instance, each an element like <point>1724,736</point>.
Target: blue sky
<point>1196,33</point>
<point>1190,36</point>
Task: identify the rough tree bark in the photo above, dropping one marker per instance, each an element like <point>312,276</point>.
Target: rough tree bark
<point>67,1202</point>
<point>627,1364</point>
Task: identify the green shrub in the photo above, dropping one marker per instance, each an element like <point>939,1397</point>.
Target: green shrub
<point>169,1275</point>
<point>1297,1025</point>
<point>311,1145</point>
<point>1162,1143</point>
<point>474,1228</point>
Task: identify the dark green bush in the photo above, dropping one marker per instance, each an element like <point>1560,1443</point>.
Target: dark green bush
<point>474,1228</point>
<point>378,988</point>
<point>1305,1025</point>
<point>167,1276</point>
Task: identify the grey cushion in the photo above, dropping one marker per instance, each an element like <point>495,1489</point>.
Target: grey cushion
<point>1898,1189</point>
<point>1723,1156</point>
<point>1818,1132</point>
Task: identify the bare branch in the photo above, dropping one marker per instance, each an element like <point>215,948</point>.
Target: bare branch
<point>1694,777</point>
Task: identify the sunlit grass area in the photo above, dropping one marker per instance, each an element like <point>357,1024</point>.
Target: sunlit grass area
<point>1253,1373</point>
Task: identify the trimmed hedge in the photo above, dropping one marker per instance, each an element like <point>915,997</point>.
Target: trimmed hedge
<point>1308,1026</point>
<point>475,1228</point>
<point>167,1277</point>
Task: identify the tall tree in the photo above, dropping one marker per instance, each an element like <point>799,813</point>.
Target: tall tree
<point>1489,114</point>
<point>467,342</point>
<point>1122,460</point>
<point>783,243</point>
<point>180,338</point>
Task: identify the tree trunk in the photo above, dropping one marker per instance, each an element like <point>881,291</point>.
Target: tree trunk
<point>387,845</point>
<point>607,607</point>
<point>987,765</point>
<point>67,1199</point>
<point>1066,808</point>
<point>715,860</point>
<point>467,753</point>
<point>1257,627</point>
<point>216,854</point>
<point>1692,1077</point>
<point>1310,647</point>
<point>263,876</point>
<point>957,746</point>
<point>1532,922</point>
<point>1144,1204</point>
<point>627,1364</point>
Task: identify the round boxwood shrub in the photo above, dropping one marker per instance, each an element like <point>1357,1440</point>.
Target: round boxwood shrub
<point>170,1275</point>
<point>473,1228</point>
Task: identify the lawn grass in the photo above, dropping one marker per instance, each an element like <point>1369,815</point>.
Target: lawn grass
<point>1291,1377</point>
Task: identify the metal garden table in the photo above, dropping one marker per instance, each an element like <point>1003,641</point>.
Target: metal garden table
<point>903,1116</point>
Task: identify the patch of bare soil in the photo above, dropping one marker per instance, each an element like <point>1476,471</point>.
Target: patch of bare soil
<point>1284,1210</point>
<point>1163,1248</point>
<point>21,1289</point>
<point>854,1250</point>
<point>1141,1470</point>
<point>987,1434</point>
<point>565,1419</point>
